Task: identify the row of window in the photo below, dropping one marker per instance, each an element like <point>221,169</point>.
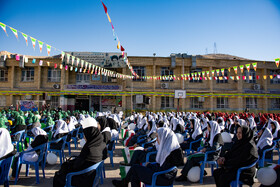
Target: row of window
<point>54,75</point>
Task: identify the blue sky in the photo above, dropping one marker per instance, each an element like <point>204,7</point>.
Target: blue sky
<point>245,28</point>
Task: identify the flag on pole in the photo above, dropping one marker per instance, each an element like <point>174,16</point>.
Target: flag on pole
<point>26,38</point>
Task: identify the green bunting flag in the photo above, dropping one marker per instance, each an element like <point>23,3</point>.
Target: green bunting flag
<point>241,68</point>
<point>277,62</point>
<point>255,66</point>
<point>33,40</point>
<point>3,27</point>
<point>248,67</point>
<point>48,49</point>
<point>15,32</point>
<point>40,45</point>
<point>26,38</point>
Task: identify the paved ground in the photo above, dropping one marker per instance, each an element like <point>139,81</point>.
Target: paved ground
<point>111,173</point>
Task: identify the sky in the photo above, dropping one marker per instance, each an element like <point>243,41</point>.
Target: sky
<point>244,28</point>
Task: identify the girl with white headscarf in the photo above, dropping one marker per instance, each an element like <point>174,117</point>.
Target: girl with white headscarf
<point>169,154</point>
<point>251,123</point>
<point>212,144</point>
<point>264,142</point>
<point>275,130</point>
<point>6,146</point>
<point>221,123</point>
<point>61,131</point>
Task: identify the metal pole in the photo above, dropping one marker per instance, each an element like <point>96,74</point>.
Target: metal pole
<point>131,105</point>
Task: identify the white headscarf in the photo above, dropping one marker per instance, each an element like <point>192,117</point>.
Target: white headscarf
<point>89,122</point>
<point>5,142</point>
<point>196,129</point>
<point>277,128</point>
<point>168,143</point>
<point>230,123</point>
<point>38,131</point>
<point>61,127</point>
<point>222,124</point>
<point>265,139</point>
<point>204,122</point>
<point>252,123</point>
<point>215,129</point>
<point>72,123</point>
<point>153,128</point>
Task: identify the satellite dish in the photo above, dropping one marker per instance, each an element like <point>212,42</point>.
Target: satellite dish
<point>56,86</point>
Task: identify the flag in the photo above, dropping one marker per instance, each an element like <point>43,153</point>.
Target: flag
<point>241,68</point>
<point>271,76</point>
<point>55,65</point>
<point>255,66</point>
<point>213,73</point>
<point>122,49</point>
<point>3,27</point>
<point>235,69</point>
<point>41,63</point>
<point>232,77</point>
<point>248,67</point>
<point>229,69</point>
<point>71,68</point>
<point>218,72</point>
<point>62,55</point>
<point>15,32</point>
<point>264,77</point>
<point>258,77</point>
<point>118,46</point>
<point>34,61</point>
<point>48,63</point>
<point>26,38</point>
<point>17,57</point>
<point>109,19</point>
<point>40,45</point>
<point>105,8</point>
<point>277,62</point>
<point>78,61</point>
<point>33,40</point>
<point>82,63</point>
<point>237,77</point>
<point>223,71</point>
<point>207,73</point>
<point>66,67</point>
<point>203,74</point>
<point>25,60</point>
<point>67,58</point>
<point>76,69</point>
<point>73,60</point>
<point>48,49</point>
<point>61,66</point>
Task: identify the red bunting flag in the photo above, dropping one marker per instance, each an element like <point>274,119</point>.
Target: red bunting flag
<point>122,49</point>
<point>105,8</point>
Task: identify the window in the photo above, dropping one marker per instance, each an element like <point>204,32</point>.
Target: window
<point>106,79</point>
<point>3,100</point>
<point>138,105</point>
<point>167,102</point>
<point>221,78</point>
<point>82,78</point>
<point>276,78</point>
<point>222,102</point>
<point>54,101</point>
<point>196,102</point>
<point>54,75</point>
<point>27,74</point>
<point>165,71</point>
<point>3,75</point>
<point>251,103</point>
<point>275,103</point>
<point>193,77</point>
<point>140,71</point>
<point>250,76</point>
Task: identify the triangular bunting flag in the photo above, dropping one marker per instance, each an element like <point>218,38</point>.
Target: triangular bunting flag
<point>277,62</point>
<point>241,68</point>
<point>40,45</point>
<point>41,63</point>
<point>229,69</point>
<point>48,49</point>
<point>118,46</point>
<point>255,66</point>
<point>73,60</point>
<point>108,17</point>
<point>264,77</point>
<point>223,71</point>
<point>122,49</point>
<point>15,32</point>
<point>235,69</point>
<point>248,67</point>
<point>62,55</point>
<point>33,40</point>
<point>3,27</point>
<point>105,8</point>
<point>26,38</point>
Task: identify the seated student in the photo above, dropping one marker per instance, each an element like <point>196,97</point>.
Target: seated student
<point>242,153</point>
<point>61,130</point>
<point>221,123</point>
<point>213,142</point>
<point>251,123</point>
<point>265,141</point>
<point>229,126</point>
<point>91,153</point>
<point>195,134</point>
<point>169,154</point>
<point>40,137</point>
<point>104,128</point>
<point>275,130</point>
<point>6,146</point>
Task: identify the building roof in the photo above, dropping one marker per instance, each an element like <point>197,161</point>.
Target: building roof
<point>222,56</point>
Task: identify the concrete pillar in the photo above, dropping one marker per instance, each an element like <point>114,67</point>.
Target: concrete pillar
<point>211,104</point>
<point>39,78</point>
<point>240,103</point>
<point>12,78</point>
<point>265,104</point>
<point>154,101</point>
<point>124,103</point>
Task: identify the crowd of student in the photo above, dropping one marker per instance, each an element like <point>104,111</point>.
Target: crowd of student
<point>251,135</point>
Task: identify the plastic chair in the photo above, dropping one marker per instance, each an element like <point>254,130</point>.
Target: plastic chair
<point>59,151</point>
<point>148,157</point>
<point>155,175</point>
<point>97,167</point>
<point>41,159</point>
<point>20,141</point>
<point>5,169</point>
<point>212,163</point>
<point>190,150</point>
<point>74,139</point>
<point>152,141</point>
<point>111,153</point>
<point>263,159</point>
<point>237,183</point>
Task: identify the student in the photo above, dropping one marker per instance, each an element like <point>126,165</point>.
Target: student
<point>6,146</point>
<point>275,130</point>
<point>104,128</point>
<point>265,141</point>
<point>242,153</point>
<point>169,154</point>
<point>91,153</point>
<point>61,130</point>
<point>195,134</point>
<point>213,142</point>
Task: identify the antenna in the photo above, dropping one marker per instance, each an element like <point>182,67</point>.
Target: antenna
<point>215,48</point>
<point>206,51</point>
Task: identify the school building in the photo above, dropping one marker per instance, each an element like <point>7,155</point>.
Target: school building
<point>28,82</point>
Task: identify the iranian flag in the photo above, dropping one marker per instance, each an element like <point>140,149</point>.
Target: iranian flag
<point>255,66</point>
<point>277,62</point>
<point>67,58</point>
<point>82,63</point>
<point>73,60</point>
<point>3,27</point>
<point>40,45</point>
<point>223,71</point>
<point>33,40</point>
<point>78,61</point>
<point>207,73</point>
<point>62,55</point>
<point>213,73</point>
<point>15,32</point>
<point>235,69</point>
<point>248,67</point>
<point>241,68</point>
<point>48,49</point>
<point>26,38</point>
<point>229,69</point>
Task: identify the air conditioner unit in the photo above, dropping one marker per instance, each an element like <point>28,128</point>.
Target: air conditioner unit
<point>164,85</point>
<point>139,99</point>
<point>256,87</point>
<point>56,86</point>
<point>201,99</point>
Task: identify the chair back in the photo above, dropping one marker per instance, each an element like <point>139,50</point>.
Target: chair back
<point>20,135</point>
<point>5,168</point>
